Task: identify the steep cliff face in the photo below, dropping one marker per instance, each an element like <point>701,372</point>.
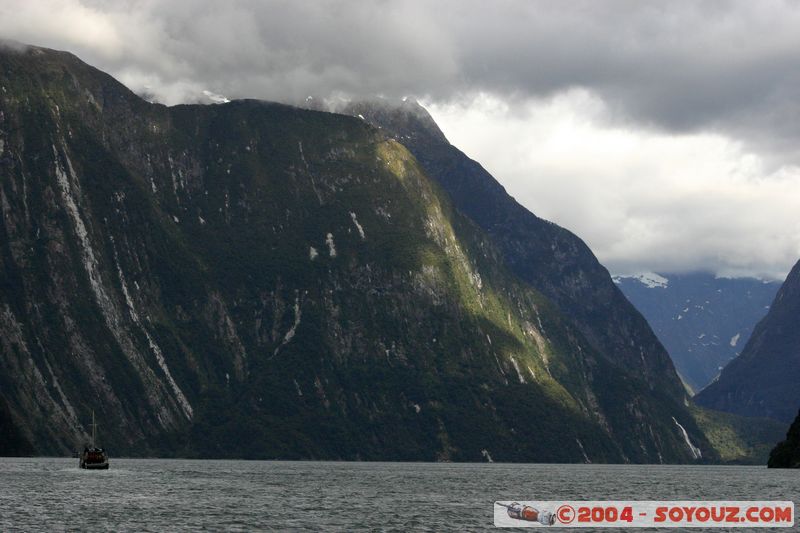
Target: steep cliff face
<point>256,280</point>
<point>763,380</point>
<point>550,258</point>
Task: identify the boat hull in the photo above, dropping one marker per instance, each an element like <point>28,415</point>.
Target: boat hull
<point>94,466</point>
<point>94,459</point>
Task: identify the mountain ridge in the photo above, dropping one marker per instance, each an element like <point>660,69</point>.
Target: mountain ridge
<point>255,280</point>
<point>551,258</point>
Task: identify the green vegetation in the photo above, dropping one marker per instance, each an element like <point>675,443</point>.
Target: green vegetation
<point>738,439</point>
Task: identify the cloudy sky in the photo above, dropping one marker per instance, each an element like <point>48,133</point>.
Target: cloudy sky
<point>666,134</point>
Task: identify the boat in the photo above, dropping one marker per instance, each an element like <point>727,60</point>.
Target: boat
<point>94,458</point>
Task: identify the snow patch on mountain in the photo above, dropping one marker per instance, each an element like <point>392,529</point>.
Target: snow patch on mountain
<point>735,339</point>
<point>648,279</point>
<point>358,226</point>
<point>331,245</point>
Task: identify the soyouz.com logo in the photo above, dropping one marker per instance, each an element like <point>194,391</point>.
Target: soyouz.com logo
<point>682,514</point>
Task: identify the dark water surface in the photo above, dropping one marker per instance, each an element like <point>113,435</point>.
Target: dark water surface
<point>178,495</point>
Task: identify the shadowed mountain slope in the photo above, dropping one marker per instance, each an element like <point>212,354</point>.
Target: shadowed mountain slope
<point>257,280</point>
<point>763,380</point>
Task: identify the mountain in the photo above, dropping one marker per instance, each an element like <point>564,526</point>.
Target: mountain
<point>550,258</point>
<point>787,453</point>
<point>562,267</point>
<point>256,280</point>
<point>703,321</point>
<point>763,380</point>
<point>12,443</point>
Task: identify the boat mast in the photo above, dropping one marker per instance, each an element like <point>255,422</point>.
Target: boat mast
<point>94,429</point>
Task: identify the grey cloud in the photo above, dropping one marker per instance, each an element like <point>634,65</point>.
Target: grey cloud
<point>679,65</point>
<point>728,67</point>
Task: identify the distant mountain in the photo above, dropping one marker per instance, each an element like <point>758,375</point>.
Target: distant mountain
<point>703,321</point>
<point>764,380</point>
<point>256,280</point>
<point>787,453</point>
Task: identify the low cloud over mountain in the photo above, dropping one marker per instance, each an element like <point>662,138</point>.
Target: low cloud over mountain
<point>679,128</point>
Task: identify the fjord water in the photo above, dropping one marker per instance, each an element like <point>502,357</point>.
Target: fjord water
<point>173,495</point>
